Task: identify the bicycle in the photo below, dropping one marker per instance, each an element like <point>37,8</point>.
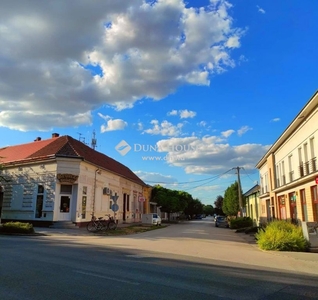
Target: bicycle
<point>100,224</point>
<point>95,224</point>
<point>110,223</point>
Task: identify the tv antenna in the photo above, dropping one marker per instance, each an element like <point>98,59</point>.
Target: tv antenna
<point>94,140</point>
<point>81,138</point>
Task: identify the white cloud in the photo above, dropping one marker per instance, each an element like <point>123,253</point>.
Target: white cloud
<point>203,123</point>
<point>261,10</point>
<point>140,126</point>
<point>227,133</point>
<point>112,124</point>
<point>210,155</point>
<point>184,114</point>
<point>275,120</point>
<point>164,128</point>
<point>243,130</point>
<point>233,42</point>
<point>242,59</point>
<point>173,112</point>
<point>155,178</point>
<point>143,51</point>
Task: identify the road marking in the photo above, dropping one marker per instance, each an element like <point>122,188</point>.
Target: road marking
<point>109,278</point>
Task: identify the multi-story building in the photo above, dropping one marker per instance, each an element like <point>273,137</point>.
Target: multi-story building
<point>289,170</point>
<point>62,179</point>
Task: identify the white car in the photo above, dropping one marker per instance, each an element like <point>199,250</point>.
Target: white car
<point>156,220</point>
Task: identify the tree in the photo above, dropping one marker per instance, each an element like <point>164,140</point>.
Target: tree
<point>195,207</point>
<point>231,200</point>
<point>218,204</point>
<point>170,201</point>
<point>208,209</point>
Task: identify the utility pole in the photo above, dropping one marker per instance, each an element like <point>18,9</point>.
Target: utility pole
<point>239,190</point>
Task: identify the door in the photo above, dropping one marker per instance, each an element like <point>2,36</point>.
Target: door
<point>65,208</point>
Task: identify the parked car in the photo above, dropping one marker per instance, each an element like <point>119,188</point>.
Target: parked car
<point>156,220</point>
<point>221,221</point>
<point>152,218</point>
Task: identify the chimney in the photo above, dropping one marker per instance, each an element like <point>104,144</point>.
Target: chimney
<point>55,135</point>
<point>37,139</point>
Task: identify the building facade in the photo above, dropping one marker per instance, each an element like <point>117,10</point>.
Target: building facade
<point>62,179</point>
<point>252,204</point>
<point>289,170</point>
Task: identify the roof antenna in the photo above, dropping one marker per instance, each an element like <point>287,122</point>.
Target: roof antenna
<point>81,138</point>
<point>94,141</point>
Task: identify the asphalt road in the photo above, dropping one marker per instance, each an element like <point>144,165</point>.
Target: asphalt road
<point>193,260</point>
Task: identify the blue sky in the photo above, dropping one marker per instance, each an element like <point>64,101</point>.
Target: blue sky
<point>194,89</point>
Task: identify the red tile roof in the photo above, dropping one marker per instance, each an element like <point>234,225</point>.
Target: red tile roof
<point>64,146</point>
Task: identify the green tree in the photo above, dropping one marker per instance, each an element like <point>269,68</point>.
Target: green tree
<point>208,209</point>
<point>231,201</point>
<point>170,201</point>
<point>194,207</point>
<point>218,204</point>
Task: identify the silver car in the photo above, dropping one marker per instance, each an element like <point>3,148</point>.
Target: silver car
<point>221,221</point>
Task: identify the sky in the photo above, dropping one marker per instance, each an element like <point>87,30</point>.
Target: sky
<point>184,93</point>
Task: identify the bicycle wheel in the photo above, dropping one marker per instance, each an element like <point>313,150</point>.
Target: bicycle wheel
<point>112,225</point>
<point>103,225</point>
<point>91,227</point>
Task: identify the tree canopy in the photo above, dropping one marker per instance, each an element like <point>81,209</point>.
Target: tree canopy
<point>172,201</point>
<point>231,200</point>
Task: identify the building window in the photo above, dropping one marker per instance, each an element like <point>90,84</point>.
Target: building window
<point>266,183</point>
<point>314,198</point>
<point>291,171</point>
<point>66,189</point>
<point>306,161</point>
<point>313,157</point>
<point>127,199</point>
<point>277,176</point>
<point>303,205</point>
<point>292,206</point>
<point>39,201</point>
<point>283,173</point>
<point>84,202</point>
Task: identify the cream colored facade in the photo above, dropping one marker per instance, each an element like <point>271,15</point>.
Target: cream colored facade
<point>68,189</point>
<point>289,170</point>
<point>252,205</point>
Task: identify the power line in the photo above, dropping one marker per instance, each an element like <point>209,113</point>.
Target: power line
<point>188,182</point>
<point>216,177</point>
<point>248,175</point>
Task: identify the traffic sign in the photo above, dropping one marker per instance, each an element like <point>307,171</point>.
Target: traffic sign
<point>115,207</point>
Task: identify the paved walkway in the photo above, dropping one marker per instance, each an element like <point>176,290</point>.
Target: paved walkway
<point>245,245</point>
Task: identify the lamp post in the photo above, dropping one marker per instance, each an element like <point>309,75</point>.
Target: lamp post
<point>94,190</point>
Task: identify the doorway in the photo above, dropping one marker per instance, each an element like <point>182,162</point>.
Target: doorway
<point>65,208</point>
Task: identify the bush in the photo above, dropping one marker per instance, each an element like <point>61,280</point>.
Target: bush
<point>282,236</point>
<point>17,227</point>
<point>242,222</point>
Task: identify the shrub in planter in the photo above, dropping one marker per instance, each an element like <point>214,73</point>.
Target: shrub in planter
<point>242,222</point>
<point>17,227</point>
<point>282,236</point>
